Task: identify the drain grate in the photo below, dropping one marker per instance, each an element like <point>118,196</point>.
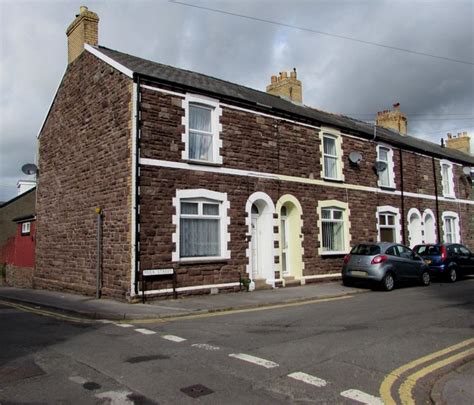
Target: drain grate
<point>195,391</point>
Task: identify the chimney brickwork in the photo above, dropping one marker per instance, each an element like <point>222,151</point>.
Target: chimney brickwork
<point>286,87</point>
<point>83,30</point>
<point>462,142</point>
<point>394,119</point>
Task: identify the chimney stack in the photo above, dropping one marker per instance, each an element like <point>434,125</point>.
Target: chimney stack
<point>83,30</point>
<point>286,87</point>
<point>394,119</point>
<point>462,142</point>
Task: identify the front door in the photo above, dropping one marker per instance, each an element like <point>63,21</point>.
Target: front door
<point>254,245</point>
<point>284,242</point>
<point>414,230</point>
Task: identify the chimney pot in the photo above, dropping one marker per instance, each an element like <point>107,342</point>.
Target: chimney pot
<point>273,79</point>
<point>83,9</point>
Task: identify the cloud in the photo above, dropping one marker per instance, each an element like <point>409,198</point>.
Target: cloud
<point>337,75</point>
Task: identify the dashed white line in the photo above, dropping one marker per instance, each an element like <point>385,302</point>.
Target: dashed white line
<point>205,346</point>
<point>124,325</point>
<point>145,331</point>
<point>362,397</point>
<point>255,360</point>
<point>173,338</point>
<point>308,379</point>
<point>78,379</point>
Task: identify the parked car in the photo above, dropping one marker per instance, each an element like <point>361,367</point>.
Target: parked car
<point>385,264</point>
<point>447,260</point>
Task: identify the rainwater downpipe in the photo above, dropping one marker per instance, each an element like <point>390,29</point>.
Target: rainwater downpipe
<point>137,185</point>
<point>402,195</point>
<point>436,199</point>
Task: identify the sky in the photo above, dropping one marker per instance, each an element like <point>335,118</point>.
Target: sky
<point>341,72</point>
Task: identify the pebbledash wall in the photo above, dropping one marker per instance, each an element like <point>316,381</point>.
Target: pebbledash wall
<point>276,162</point>
<point>85,162</point>
<point>87,159</point>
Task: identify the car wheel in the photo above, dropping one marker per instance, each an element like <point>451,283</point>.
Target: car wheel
<point>388,282</point>
<point>452,275</point>
<point>347,282</point>
<point>425,279</point>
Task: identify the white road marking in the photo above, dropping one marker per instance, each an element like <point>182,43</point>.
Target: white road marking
<point>116,397</point>
<point>205,346</point>
<point>362,397</point>
<point>78,379</point>
<point>173,338</point>
<point>309,379</point>
<point>145,331</point>
<point>124,325</point>
<point>255,360</point>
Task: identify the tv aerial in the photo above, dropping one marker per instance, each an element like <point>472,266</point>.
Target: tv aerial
<point>355,158</point>
<point>380,166</point>
<point>29,169</point>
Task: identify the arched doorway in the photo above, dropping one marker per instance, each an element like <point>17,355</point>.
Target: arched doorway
<point>415,230</point>
<point>260,252</point>
<point>290,237</point>
<point>429,226</point>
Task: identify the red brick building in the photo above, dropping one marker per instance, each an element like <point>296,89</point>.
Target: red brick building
<point>219,181</point>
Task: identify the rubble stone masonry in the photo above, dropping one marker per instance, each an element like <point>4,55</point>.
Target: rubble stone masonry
<point>84,163</point>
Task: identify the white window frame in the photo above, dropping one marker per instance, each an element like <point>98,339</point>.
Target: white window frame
<point>388,209</point>
<point>344,207</point>
<point>202,195</point>
<point>390,167</point>
<point>447,184</point>
<point>216,113</point>
<point>25,228</point>
<point>456,229</point>
<point>336,135</point>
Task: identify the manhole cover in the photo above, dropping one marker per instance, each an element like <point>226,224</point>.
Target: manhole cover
<point>195,391</point>
<point>19,370</point>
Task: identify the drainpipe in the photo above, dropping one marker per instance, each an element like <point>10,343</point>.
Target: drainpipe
<point>436,199</point>
<point>137,185</point>
<point>402,197</point>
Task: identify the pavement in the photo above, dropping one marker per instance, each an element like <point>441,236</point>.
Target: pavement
<point>91,308</point>
<point>452,388</point>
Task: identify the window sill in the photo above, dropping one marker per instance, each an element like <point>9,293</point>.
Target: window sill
<point>387,188</point>
<point>202,162</point>
<point>334,253</point>
<point>203,260</point>
<point>450,196</point>
<point>333,180</point>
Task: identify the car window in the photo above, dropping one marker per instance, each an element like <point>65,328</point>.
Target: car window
<point>365,250</point>
<point>426,250</point>
<point>451,250</point>
<point>404,252</point>
<point>392,251</point>
<point>464,250</point>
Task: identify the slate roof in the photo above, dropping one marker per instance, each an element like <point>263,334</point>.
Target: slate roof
<point>276,105</point>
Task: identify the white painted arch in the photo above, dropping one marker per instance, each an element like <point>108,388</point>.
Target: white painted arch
<point>429,226</point>
<point>266,239</point>
<point>415,227</point>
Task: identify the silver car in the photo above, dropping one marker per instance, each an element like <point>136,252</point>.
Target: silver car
<point>385,264</point>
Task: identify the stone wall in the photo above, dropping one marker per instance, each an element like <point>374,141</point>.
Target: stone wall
<point>84,163</point>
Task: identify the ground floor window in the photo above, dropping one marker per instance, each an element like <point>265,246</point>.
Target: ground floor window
<point>451,232</point>
<point>388,224</point>
<point>334,225</point>
<point>201,225</point>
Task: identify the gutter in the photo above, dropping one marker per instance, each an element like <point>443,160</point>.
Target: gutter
<point>136,230</point>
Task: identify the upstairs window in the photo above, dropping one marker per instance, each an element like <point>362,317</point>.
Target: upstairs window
<point>201,137</point>
<point>447,179</point>
<point>331,150</point>
<point>387,176</point>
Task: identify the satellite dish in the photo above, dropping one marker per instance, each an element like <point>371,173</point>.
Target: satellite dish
<point>355,158</point>
<point>380,166</point>
<point>29,168</point>
<point>466,170</point>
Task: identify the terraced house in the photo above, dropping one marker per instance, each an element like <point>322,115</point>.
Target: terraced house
<point>219,182</point>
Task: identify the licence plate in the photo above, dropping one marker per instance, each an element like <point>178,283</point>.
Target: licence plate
<point>359,273</point>
<point>428,261</point>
